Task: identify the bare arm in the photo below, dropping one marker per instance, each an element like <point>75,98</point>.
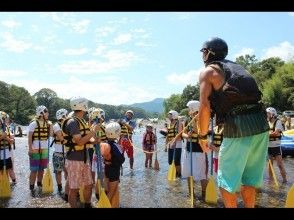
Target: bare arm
<point>79,140</point>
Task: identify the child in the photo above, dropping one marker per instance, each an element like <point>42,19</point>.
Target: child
<point>217,140</point>
<point>149,140</point>
<point>113,160</point>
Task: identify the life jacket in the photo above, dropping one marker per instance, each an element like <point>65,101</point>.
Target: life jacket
<point>4,144</point>
<point>69,142</point>
<point>116,155</point>
<point>239,89</point>
<point>273,128</point>
<point>42,130</point>
<point>172,130</point>
<point>125,131</point>
<point>218,136</point>
<point>102,134</point>
<point>149,138</point>
<point>56,140</point>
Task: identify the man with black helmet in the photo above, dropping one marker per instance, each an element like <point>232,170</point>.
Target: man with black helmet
<point>227,89</point>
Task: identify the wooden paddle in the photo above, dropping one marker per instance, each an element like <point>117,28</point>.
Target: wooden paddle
<point>156,164</point>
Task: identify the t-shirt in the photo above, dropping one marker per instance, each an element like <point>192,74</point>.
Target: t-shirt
<point>43,143</point>
<point>72,128</point>
<point>57,147</point>
<point>280,127</point>
<point>7,154</point>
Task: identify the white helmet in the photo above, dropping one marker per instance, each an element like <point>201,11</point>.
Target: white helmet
<point>149,125</point>
<point>79,103</point>
<point>41,110</point>
<point>272,110</point>
<point>102,113</point>
<point>174,114</point>
<point>70,114</point>
<point>94,114</point>
<point>4,115</point>
<point>61,113</point>
<point>193,106</point>
<point>90,110</point>
<point>130,111</point>
<point>112,130</point>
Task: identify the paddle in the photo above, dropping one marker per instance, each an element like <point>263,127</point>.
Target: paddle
<point>211,193</point>
<point>47,183</point>
<point>190,178</point>
<point>156,164</point>
<point>103,199</point>
<point>273,172</point>
<point>290,198</point>
<point>5,190</point>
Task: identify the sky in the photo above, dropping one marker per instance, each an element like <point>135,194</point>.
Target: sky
<point>129,57</point>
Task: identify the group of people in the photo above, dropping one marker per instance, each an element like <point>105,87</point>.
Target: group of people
<point>244,134</point>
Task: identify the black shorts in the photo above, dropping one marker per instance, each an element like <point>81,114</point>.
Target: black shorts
<point>178,154</point>
<point>91,152</point>
<point>8,164</point>
<point>112,173</point>
<point>274,151</point>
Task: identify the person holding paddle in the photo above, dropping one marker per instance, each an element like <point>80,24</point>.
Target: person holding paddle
<point>148,143</point>
<point>198,157</point>
<point>39,131</point>
<point>232,93</point>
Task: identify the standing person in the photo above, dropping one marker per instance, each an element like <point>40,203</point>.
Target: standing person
<point>58,157</point>
<point>12,127</point>
<point>230,91</point>
<point>113,156</point>
<point>77,135</point>
<point>148,143</point>
<point>39,131</point>
<point>198,156</point>
<point>217,141</point>
<point>127,128</point>
<point>288,125</point>
<point>173,129</point>
<point>274,148</point>
<point>5,145</point>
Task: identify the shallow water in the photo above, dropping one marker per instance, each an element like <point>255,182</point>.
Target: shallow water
<point>141,187</point>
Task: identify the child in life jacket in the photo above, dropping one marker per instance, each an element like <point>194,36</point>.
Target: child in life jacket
<point>148,143</point>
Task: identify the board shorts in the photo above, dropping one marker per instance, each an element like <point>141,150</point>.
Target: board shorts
<point>127,147</point>
<point>39,160</point>
<point>178,154</point>
<point>198,165</point>
<point>8,163</point>
<point>58,162</point>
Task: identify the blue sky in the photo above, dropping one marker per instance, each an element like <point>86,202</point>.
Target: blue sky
<point>122,58</point>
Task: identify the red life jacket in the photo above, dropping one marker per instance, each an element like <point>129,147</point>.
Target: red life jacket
<point>149,138</point>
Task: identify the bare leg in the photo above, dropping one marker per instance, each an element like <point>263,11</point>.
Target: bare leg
<point>72,198</point>
<point>281,167</point>
<point>229,199</point>
<point>88,193</point>
<point>11,174</point>
<point>270,174</point>
<point>33,176</point>
<point>146,160</point>
<point>204,183</point>
<point>150,160</point>
<point>113,187</point>
<point>248,194</point>
<point>40,175</point>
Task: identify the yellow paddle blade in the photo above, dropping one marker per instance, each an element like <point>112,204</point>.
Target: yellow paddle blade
<point>273,172</point>
<point>290,198</point>
<point>211,193</point>
<point>191,185</point>
<point>47,183</point>
<point>156,165</point>
<point>5,190</point>
<point>81,192</point>
<point>289,132</point>
<point>103,200</point>
<point>171,175</point>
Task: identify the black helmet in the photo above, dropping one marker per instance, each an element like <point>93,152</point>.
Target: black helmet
<point>218,48</point>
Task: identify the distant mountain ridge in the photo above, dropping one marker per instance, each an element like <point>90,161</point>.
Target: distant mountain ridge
<point>155,105</point>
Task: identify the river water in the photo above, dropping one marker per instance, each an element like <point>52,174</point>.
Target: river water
<point>140,187</point>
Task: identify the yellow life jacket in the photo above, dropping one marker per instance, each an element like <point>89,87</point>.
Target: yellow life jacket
<point>69,142</point>
<point>4,144</point>
<point>273,128</point>
<point>102,134</point>
<point>172,130</point>
<point>125,131</point>
<point>42,130</point>
<point>218,136</point>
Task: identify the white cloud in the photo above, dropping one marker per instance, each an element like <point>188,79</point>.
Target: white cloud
<point>99,50</point>
<point>284,50</point>
<point>81,26</point>
<point>105,31</point>
<point>10,23</point>
<point>115,59</point>
<point>5,74</point>
<point>191,76</point>
<point>122,39</point>
<point>14,45</point>
<point>244,51</point>
<point>143,44</point>
<point>75,52</point>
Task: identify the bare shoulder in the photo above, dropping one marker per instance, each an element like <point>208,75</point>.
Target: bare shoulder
<point>213,74</point>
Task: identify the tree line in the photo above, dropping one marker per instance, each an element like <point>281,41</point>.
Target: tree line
<point>21,105</point>
<point>274,77</point>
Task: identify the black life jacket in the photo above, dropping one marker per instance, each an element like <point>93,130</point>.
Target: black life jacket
<point>117,156</point>
<point>273,128</point>
<point>239,89</point>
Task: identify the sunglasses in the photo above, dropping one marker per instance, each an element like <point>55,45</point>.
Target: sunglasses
<point>45,111</point>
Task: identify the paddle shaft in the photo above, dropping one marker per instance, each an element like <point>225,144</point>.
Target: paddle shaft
<point>155,144</point>
<point>4,150</point>
<point>211,141</point>
<point>99,160</point>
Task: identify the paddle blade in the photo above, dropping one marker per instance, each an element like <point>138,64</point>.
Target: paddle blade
<point>98,187</point>
<point>81,192</point>
<point>5,190</point>
<point>191,189</point>
<point>273,172</point>
<point>156,165</point>
<point>171,175</point>
<point>47,183</point>
<point>290,198</point>
<point>211,193</point>
<point>103,201</point>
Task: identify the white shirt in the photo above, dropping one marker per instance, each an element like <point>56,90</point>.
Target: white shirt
<point>280,127</point>
<point>7,152</point>
<point>57,147</point>
<point>44,144</point>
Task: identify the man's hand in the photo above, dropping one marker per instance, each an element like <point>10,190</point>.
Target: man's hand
<point>204,145</point>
